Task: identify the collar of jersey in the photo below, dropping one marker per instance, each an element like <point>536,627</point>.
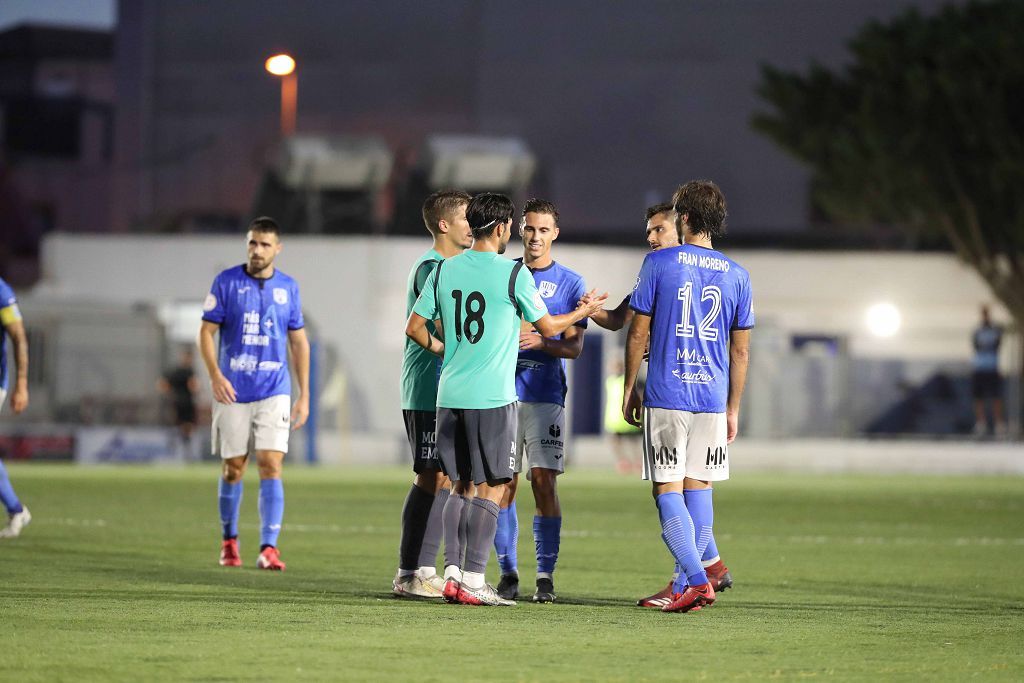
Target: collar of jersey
<point>539,270</point>
<point>258,279</point>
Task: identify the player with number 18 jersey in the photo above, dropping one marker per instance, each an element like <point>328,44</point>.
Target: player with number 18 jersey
<point>479,297</point>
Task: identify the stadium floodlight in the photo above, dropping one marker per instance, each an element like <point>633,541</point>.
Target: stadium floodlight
<point>284,66</point>
<point>883,319</point>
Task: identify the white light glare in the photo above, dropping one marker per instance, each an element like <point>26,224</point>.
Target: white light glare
<point>883,319</point>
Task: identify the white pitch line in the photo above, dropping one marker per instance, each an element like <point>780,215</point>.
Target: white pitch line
<point>819,539</point>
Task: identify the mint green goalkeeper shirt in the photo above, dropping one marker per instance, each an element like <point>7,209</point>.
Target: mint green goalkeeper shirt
<point>419,366</point>
<point>481,326</point>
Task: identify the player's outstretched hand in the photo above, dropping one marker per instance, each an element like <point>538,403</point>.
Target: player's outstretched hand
<point>632,408</point>
<point>732,422</point>
<point>300,413</point>
<point>223,392</point>
<point>19,400</point>
<point>530,341</point>
<point>593,302</point>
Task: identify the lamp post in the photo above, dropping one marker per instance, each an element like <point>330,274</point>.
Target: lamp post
<point>284,66</point>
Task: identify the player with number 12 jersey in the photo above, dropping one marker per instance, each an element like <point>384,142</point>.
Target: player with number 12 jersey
<point>693,306</point>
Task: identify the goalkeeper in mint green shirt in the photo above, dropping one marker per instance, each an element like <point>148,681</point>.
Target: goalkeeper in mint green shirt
<point>444,215</point>
<point>479,298</point>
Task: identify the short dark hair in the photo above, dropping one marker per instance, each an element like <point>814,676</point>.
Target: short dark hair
<point>664,207</point>
<point>704,206</point>
<point>653,211</point>
<point>264,224</point>
<point>486,210</point>
<point>440,205</point>
<point>541,206</point>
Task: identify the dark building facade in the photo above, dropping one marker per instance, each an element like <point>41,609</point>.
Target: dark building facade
<point>56,137</point>
<point>619,101</point>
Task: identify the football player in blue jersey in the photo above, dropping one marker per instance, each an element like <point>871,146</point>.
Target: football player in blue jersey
<point>694,306</point>
<point>12,326</point>
<point>541,387</point>
<point>258,313</point>
<point>662,232</point>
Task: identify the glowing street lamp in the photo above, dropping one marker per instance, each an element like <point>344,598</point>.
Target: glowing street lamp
<point>284,66</point>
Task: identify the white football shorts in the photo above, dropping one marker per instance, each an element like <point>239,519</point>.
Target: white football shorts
<point>243,428</point>
<point>679,444</point>
<point>541,437</point>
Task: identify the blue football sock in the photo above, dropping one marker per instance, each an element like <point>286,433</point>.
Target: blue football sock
<point>711,552</point>
<point>7,495</point>
<point>501,538</point>
<point>229,499</point>
<point>271,506</point>
<point>677,532</point>
<point>547,536</point>
<point>511,565</point>
<point>698,504</point>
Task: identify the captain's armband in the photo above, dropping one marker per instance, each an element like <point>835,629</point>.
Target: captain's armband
<point>10,314</point>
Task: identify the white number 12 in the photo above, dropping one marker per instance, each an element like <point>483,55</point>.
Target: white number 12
<point>707,329</point>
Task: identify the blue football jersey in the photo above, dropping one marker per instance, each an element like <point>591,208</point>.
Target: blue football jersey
<point>540,378</point>
<point>695,297</point>
<point>8,303</point>
<point>254,317</point>
<point>986,348</point>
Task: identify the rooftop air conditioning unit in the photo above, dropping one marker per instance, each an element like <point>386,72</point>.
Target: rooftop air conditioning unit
<point>334,163</point>
<point>474,163</point>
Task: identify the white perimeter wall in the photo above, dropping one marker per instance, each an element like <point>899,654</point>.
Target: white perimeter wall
<point>353,288</point>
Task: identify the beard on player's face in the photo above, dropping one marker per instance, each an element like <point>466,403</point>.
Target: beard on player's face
<point>506,233</point>
<point>258,263</point>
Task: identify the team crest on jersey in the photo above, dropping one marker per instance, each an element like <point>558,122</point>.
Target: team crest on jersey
<point>547,289</point>
<point>210,303</point>
<point>280,295</point>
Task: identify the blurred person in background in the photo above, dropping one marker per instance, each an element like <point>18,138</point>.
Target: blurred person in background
<point>257,312</point>
<point>179,385</point>
<point>986,383</point>
<point>18,515</point>
<point>625,438</point>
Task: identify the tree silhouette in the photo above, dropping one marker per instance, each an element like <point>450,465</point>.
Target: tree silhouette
<point>924,130</point>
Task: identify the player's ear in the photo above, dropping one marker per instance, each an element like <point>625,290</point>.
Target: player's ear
<point>442,227</point>
<point>554,235</point>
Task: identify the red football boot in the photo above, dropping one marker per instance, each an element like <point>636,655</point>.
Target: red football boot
<point>229,556</point>
<point>659,599</point>
<point>451,591</point>
<point>719,576</point>
<point>693,598</point>
<point>270,558</point>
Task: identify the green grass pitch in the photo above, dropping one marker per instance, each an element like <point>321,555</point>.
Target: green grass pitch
<point>838,577</point>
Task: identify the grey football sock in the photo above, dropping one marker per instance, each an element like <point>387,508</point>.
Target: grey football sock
<point>452,525</point>
<point>483,522</point>
<point>435,528</point>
